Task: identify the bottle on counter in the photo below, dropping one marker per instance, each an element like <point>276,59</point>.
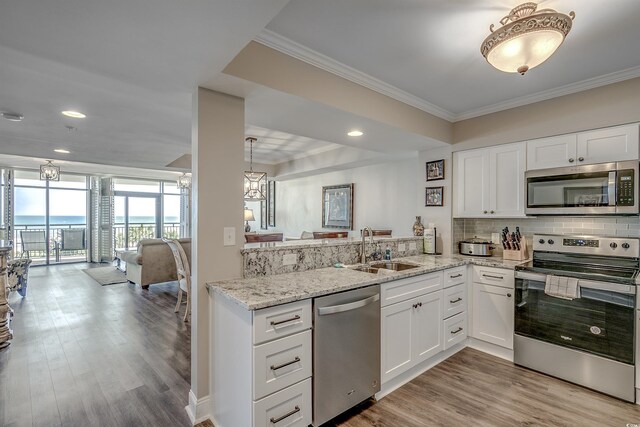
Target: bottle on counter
<point>418,228</point>
<point>430,239</point>
<point>387,253</point>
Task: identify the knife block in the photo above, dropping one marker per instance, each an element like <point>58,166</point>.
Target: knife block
<point>520,255</point>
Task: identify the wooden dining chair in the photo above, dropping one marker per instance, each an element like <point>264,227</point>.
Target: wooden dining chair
<point>184,275</point>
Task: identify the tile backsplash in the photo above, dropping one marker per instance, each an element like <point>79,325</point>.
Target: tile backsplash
<point>623,226</point>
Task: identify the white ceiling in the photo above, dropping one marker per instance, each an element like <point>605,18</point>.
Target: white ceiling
<point>132,65</point>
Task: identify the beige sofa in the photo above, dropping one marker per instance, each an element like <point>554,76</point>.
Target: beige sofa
<point>152,262</point>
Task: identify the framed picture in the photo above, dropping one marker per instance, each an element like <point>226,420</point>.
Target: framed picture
<point>433,196</point>
<point>271,199</point>
<point>337,206</point>
<point>435,170</point>
<point>263,215</point>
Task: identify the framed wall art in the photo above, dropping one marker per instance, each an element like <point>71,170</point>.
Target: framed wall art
<point>271,198</point>
<point>435,170</point>
<point>337,206</point>
<point>433,196</point>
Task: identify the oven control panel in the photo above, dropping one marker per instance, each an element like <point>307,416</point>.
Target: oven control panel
<point>628,247</point>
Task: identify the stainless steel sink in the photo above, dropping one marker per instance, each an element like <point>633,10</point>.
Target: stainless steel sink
<point>366,269</point>
<point>395,266</point>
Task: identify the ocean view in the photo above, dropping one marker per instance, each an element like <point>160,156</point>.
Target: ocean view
<point>76,220</point>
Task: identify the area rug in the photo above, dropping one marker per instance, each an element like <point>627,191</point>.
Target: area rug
<point>106,275</point>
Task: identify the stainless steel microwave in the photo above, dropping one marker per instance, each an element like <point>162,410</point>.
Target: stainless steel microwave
<point>601,189</point>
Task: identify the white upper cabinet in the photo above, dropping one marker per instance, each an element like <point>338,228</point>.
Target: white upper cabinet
<point>598,146</point>
<point>490,181</point>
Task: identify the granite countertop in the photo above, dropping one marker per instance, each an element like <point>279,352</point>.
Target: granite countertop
<point>301,244</point>
<point>266,291</point>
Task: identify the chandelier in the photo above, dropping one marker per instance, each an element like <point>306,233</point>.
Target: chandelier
<point>255,183</point>
<point>49,172</point>
<point>184,181</point>
<point>527,38</point>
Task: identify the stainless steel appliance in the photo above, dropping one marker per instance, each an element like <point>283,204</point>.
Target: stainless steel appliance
<point>601,189</point>
<point>475,247</point>
<point>588,340</point>
<point>346,351</point>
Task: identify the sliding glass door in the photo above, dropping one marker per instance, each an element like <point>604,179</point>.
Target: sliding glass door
<point>137,217</point>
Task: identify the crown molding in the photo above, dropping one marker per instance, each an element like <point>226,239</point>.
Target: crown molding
<point>592,83</point>
<point>303,53</point>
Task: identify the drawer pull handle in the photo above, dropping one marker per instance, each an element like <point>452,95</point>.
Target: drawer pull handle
<point>493,277</point>
<point>287,415</point>
<point>455,300</point>
<point>456,331</point>
<point>280,322</point>
<point>276,367</point>
<point>456,276</point>
<point>418,304</point>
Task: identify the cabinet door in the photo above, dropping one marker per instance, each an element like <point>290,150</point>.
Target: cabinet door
<point>608,145</point>
<point>427,326</point>
<point>507,166</point>
<point>472,183</point>
<point>396,341</point>
<point>551,152</point>
<point>493,314</point>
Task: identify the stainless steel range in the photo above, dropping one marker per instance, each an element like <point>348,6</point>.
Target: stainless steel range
<point>574,311</point>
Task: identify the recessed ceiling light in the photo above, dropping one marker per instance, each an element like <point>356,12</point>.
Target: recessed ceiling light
<point>62,151</point>
<point>355,133</point>
<point>12,117</point>
<point>74,114</point>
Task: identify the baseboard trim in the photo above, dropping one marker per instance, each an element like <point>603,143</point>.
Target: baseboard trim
<point>198,410</point>
<point>492,349</point>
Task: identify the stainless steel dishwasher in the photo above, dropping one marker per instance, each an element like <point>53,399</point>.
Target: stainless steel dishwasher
<point>346,351</point>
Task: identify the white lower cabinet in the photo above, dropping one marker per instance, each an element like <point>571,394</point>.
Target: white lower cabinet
<point>455,330</point>
<point>493,314</point>
<point>411,330</point>
<point>290,407</point>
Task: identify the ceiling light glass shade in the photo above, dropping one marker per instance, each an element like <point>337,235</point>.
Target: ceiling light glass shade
<point>74,114</point>
<point>255,185</point>
<point>184,181</point>
<point>49,172</point>
<point>526,39</point>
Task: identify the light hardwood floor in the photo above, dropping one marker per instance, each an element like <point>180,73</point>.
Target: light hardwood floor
<point>91,355</point>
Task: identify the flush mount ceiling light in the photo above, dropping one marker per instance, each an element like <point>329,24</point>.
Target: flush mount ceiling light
<point>74,114</point>
<point>49,172</point>
<point>527,38</point>
<point>355,133</point>
<point>184,181</point>
<point>12,117</point>
<point>255,183</point>
<point>62,151</point>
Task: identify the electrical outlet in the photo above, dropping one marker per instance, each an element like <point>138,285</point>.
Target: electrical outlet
<point>412,246</point>
<point>229,236</point>
<point>289,259</point>
<point>495,237</point>
<point>402,247</point>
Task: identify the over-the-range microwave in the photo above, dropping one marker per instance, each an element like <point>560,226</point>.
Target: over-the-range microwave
<point>600,189</point>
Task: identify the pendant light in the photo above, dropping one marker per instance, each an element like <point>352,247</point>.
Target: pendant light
<point>527,38</point>
<point>255,183</point>
<point>49,172</point>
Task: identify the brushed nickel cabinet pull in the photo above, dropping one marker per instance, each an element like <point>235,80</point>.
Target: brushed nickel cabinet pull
<point>455,300</point>
<point>287,415</point>
<point>280,322</point>
<point>456,276</point>
<point>493,277</point>
<point>456,331</point>
<point>276,367</point>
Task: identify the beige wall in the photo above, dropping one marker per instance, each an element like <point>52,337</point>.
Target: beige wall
<point>217,165</point>
<point>268,67</point>
<point>610,105</point>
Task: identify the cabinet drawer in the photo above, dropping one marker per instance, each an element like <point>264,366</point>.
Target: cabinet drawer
<point>493,276</point>
<point>455,330</point>
<point>455,300</point>
<point>278,364</point>
<point>290,407</point>
<point>404,289</point>
<point>281,320</point>
<point>455,276</point>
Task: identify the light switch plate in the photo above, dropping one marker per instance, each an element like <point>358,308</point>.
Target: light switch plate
<point>402,247</point>
<point>495,237</point>
<point>289,259</point>
<point>412,246</point>
<point>229,238</point>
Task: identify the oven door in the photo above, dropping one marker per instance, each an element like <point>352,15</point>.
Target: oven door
<point>600,322</point>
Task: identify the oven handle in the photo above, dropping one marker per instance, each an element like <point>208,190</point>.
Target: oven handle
<point>588,284</point>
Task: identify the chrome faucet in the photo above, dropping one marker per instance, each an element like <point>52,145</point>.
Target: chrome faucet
<point>363,255</point>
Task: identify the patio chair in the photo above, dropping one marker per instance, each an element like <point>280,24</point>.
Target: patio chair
<point>33,241</point>
<point>73,239</point>
<point>184,274</point>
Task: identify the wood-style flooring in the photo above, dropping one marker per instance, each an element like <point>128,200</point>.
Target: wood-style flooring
<point>91,355</point>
